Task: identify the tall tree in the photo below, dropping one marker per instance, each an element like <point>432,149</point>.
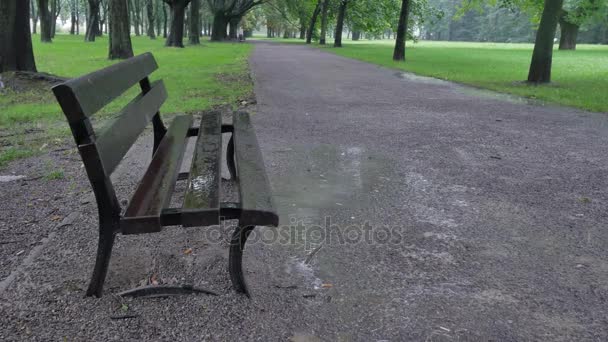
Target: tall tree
<point>120,39</point>
<point>195,22</point>
<point>165,19</point>
<point>73,9</point>
<point>16,53</point>
<point>340,23</point>
<point>568,32</point>
<point>226,12</point>
<point>135,13</point>
<point>324,10</point>
<point>34,16</point>
<point>92,21</point>
<point>542,57</point>
<point>45,21</point>
<point>55,11</point>
<point>150,15</point>
<point>575,14</point>
<point>176,31</point>
<point>313,22</point>
<point>399,53</point>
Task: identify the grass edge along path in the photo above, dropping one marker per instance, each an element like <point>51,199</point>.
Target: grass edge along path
<point>580,77</point>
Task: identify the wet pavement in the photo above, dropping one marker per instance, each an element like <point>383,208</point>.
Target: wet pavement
<point>442,212</point>
<point>411,209</point>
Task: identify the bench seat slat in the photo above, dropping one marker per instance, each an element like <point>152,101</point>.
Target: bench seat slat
<point>202,199</point>
<point>153,194</point>
<point>257,207</point>
<point>95,90</point>
<point>120,134</point>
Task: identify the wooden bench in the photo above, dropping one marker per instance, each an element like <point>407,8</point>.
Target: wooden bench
<point>149,209</point>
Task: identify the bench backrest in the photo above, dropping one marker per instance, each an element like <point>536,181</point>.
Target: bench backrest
<point>80,98</point>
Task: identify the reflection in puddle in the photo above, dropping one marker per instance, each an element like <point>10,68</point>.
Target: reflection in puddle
<point>328,177</point>
<point>323,181</point>
<point>422,79</point>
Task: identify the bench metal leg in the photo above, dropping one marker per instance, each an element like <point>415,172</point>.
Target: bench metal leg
<point>104,251</point>
<point>235,258</point>
<point>230,158</point>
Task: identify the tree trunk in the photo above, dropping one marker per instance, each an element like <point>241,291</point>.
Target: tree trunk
<point>92,21</point>
<point>150,14</point>
<point>313,21</point>
<point>340,23</point>
<point>220,23</point>
<point>34,17</point>
<point>16,53</point>
<point>45,21</point>
<point>54,15</point>
<point>324,22</point>
<point>569,33</point>
<point>73,18</point>
<point>195,23</point>
<point>133,13</point>
<point>165,18</point>
<point>120,39</point>
<point>234,25</point>
<point>77,17</point>
<point>399,53</point>
<point>302,29</point>
<point>356,35</point>
<point>176,31</point>
<point>540,67</point>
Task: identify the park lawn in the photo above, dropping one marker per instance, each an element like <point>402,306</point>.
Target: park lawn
<point>580,78</point>
<point>196,78</point>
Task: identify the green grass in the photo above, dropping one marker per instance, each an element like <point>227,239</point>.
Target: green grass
<point>196,77</point>
<point>12,153</point>
<point>190,75</point>
<point>54,175</point>
<point>580,78</point>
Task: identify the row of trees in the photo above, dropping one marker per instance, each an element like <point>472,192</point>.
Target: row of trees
<point>306,19</point>
<point>472,20</point>
<point>117,17</point>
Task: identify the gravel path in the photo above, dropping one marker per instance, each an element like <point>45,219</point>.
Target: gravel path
<point>412,209</point>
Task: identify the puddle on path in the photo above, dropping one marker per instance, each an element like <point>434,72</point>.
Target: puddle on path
<point>422,79</point>
<point>469,90</point>
<point>325,181</point>
<point>329,176</point>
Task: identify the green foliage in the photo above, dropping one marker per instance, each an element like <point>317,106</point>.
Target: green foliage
<point>580,77</point>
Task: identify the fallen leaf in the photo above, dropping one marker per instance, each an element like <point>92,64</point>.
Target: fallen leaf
<point>188,251</point>
<point>55,217</point>
<point>327,286</point>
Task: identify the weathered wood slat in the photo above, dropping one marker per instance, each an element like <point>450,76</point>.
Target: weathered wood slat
<point>202,199</point>
<point>120,134</point>
<point>257,207</point>
<point>143,215</point>
<point>83,96</point>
